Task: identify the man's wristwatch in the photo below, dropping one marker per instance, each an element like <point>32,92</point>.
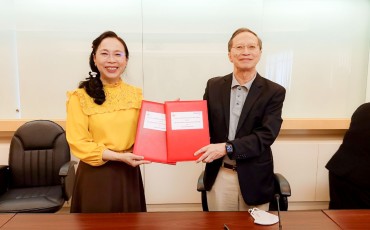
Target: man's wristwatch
<point>229,149</point>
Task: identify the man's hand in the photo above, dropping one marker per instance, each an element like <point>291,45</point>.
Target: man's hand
<point>211,152</point>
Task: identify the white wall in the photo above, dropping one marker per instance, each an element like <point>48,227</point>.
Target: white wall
<point>368,81</point>
<point>301,161</point>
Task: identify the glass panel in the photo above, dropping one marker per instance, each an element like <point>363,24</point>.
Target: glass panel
<point>317,49</point>
<point>310,47</point>
<point>185,43</point>
<point>9,91</point>
<point>54,40</point>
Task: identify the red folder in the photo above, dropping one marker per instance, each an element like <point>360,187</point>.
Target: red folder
<point>186,130</point>
<point>150,140</point>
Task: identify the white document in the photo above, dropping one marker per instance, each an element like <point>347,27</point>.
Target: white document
<point>187,120</point>
<point>156,121</point>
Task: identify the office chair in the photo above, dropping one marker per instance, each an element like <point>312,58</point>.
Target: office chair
<point>40,175</point>
<point>282,188</point>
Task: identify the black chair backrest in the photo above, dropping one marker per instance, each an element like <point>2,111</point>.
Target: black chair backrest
<point>37,151</point>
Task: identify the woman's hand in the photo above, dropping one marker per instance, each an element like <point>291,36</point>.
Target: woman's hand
<point>133,159</point>
<point>126,157</point>
<point>211,152</point>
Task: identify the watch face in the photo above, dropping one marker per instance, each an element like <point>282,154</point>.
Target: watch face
<point>229,148</point>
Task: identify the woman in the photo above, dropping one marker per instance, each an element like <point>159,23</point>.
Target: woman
<point>102,117</point>
<point>349,168</point>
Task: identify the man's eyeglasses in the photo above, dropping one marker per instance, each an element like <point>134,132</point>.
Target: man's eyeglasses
<point>241,48</point>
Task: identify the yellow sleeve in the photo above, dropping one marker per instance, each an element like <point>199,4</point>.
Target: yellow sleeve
<point>79,138</point>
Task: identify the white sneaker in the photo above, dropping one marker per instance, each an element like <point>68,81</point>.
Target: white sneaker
<point>262,217</point>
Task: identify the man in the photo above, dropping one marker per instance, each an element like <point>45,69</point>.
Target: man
<point>244,111</point>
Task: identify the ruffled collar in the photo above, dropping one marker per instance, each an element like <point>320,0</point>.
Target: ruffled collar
<point>119,96</point>
<point>112,85</point>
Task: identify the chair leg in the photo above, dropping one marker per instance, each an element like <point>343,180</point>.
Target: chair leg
<point>204,201</point>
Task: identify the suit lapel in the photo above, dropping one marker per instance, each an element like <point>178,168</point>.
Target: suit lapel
<point>226,88</point>
<point>254,93</point>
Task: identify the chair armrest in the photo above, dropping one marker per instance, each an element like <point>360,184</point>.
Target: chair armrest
<point>67,175</point>
<point>4,178</point>
<point>200,184</point>
<point>203,192</point>
<point>282,188</point>
<point>283,185</point>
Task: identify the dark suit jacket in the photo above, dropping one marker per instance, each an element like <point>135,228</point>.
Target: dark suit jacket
<point>352,160</point>
<point>259,125</point>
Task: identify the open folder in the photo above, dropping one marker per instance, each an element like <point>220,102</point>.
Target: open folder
<point>172,131</point>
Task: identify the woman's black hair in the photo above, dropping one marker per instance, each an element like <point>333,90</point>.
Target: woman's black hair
<point>93,84</point>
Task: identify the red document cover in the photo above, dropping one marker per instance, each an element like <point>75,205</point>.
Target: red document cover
<point>187,129</point>
<point>150,139</point>
<point>173,131</point>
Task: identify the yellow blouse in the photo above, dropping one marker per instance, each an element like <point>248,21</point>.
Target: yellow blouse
<point>93,128</point>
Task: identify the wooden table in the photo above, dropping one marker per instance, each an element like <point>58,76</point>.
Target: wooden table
<point>5,218</point>
<point>350,219</point>
<point>167,220</point>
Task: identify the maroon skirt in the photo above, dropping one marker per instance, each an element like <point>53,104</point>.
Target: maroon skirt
<point>112,187</point>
